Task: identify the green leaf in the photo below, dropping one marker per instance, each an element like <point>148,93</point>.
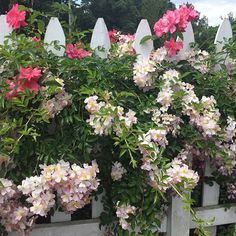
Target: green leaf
<point>146,38</point>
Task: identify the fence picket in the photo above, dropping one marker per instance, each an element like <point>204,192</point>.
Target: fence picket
<point>178,221</point>
<point>143,30</point>
<point>5,30</point>
<point>223,34</point>
<point>188,38</point>
<point>210,194</point>
<point>100,38</point>
<point>53,33</point>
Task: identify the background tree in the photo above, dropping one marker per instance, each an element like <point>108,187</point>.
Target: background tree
<point>154,9</point>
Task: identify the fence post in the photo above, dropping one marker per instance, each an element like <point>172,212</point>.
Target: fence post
<point>53,33</point>
<point>144,49</point>
<point>100,38</point>
<point>210,195</point>
<point>5,29</point>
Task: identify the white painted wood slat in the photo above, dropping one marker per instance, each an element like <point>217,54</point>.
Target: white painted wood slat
<point>5,29</point>
<point>143,30</point>
<point>54,32</point>
<point>188,38</point>
<point>223,34</point>
<point>178,220</point>
<point>100,38</point>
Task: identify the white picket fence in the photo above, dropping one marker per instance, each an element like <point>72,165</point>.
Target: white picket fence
<point>178,222</point>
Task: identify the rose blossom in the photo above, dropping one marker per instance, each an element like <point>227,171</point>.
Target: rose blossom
<point>28,79</point>
<point>16,18</point>
<point>173,46</point>
<point>76,53</point>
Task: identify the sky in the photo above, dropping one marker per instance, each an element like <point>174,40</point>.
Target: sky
<point>212,9</point>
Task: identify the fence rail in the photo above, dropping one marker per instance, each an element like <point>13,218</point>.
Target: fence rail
<point>178,221</point>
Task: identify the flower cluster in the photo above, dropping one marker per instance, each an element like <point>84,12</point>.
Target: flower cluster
<point>76,53</point>
<point>123,212</point>
<point>14,216</point>
<point>231,191</point>
<point>199,59</point>
<point>16,18</point>
<point>114,35</point>
<point>180,173</point>
<point>104,116</point>
<point>170,22</point>
<point>55,105</point>
<point>27,79</point>
<point>144,75</point>
<point>72,185</point>
<point>173,46</point>
<point>159,55</point>
<point>123,43</point>
<point>40,194</point>
<point>164,97</point>
<point>117,171</point>
<point>228,146</point>
<point>168,121</point>
<point>202,113</point>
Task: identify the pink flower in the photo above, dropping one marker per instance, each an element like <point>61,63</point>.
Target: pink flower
<point>82,53</point>
<point>113,35</point>
<point>167,23</point>
<point>173,47</point>
<point>16,18</point>
<point>30,73</point>
<point>193,15</point>
<point>12,87</point>
<point>186,15</point>
<point>73,52</point>
<point>28,79</point>
<point>35,39</point>
<point>171,19</point>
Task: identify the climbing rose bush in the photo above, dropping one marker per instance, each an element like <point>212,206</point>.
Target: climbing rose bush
<point>138,129</point>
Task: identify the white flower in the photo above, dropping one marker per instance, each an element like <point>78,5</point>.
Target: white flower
<point>92,105</point>
<point>159,55</point>
<point>159,136</point>
<point>143,72</point>
<point>129,118</point>
<point>117,171</point>
<point>171,75</point>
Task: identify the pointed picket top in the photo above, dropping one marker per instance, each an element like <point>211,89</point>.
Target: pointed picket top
<point>224,33</point>
<point>55,32</point>
<point>5,29</point>
<point>188,38</point>
<point>100,38</point>
<point>144,49</point>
